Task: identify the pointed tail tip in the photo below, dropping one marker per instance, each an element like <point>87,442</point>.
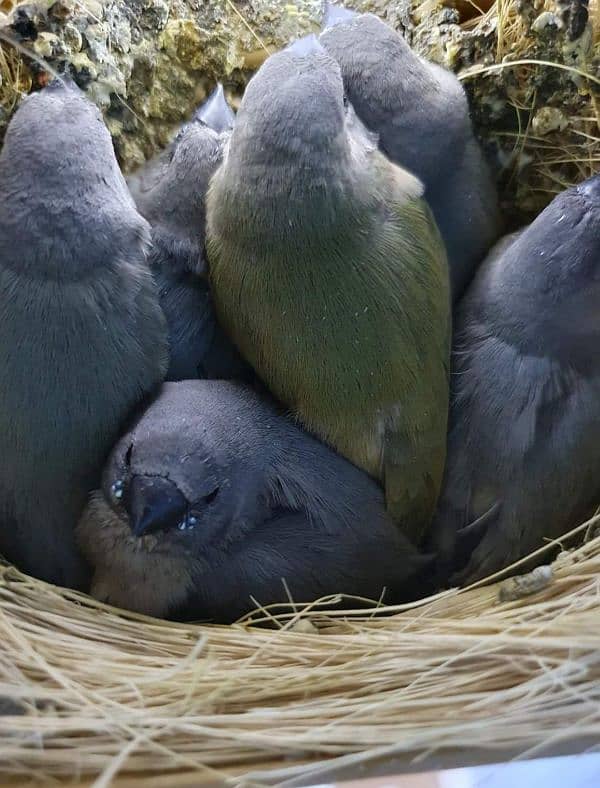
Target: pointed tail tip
<point>336,15</point>
<point>215,112</point>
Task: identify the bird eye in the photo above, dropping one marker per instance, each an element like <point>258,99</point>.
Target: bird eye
<point>128,454</point>
<point>211,496</point>
<point>176,141</point>
<point>193,517</point>
<point>345,101</point>
<point>189,521</point>
<point>116,490</point>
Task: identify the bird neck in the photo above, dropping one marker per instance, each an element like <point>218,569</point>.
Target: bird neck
<point>69,240</point>
<point>280,204</point>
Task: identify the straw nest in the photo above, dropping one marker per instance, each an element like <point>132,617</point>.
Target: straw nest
<point>94,694</point>
<point>89,693</point>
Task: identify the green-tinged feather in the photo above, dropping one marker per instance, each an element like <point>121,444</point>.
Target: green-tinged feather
<point>330,275</point>
<point>349,326</point>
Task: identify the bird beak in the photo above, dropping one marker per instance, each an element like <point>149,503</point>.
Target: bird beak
<point>215,112</point>
<point>154,504</point>
<point>336,15</point>
<point>308,45</point>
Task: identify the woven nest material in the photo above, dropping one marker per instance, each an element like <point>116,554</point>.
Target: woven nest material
<point>97,695</point>
<point>92,694</point>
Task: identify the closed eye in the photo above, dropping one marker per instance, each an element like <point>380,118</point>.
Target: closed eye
<point>211,496</point>
<point>200,505</point>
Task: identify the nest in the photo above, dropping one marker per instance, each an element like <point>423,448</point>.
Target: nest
<point>90,692</point>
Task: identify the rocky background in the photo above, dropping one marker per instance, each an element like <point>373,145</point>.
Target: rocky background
<point>147,63</point>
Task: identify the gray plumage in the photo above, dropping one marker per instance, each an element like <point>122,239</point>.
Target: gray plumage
<point>524,438</point>
<point>170,192</point>
<point>421,114</point>
<point>213,497</point>
<point>82,338</point>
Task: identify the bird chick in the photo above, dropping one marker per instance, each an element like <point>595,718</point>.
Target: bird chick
<point>213,499</point>
<point>329,273</point>
<point>170,193</point>
<point>421,114</point>
<point>524,433</point>
<point>82,337</point>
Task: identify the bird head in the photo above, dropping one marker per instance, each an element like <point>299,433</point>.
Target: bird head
<point>293,108</point>
<point>170,190</point>
<point>70,207</point>
<point>178,490</point>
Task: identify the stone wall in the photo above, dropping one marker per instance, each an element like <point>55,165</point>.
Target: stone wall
<point>147,63</point>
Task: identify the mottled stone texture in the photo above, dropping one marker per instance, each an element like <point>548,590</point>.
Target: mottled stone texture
<point>147,63</point>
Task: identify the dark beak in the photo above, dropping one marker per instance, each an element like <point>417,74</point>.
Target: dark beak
<point>336,15</point>
<point>308,45</point>
<point>215,112</point>
<point>154,504</point>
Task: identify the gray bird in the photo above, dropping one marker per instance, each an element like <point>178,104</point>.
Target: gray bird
<point>214,498</point>
<point>170,192</point>
<point>82,337</point>
<point>524,434</point>
<point>421,114</point>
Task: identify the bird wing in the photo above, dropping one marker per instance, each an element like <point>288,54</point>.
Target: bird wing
<point>413,466</point>
<point>415,428</point>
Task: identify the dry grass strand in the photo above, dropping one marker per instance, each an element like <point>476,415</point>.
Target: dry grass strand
<point>107,693</point>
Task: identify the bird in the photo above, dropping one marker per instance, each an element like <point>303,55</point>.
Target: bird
<point>170,193</point>
<point>420,112</point>
<point>330,275</point>
<point>82,337</point>
<point>523,459</point>
<point>215,501</point>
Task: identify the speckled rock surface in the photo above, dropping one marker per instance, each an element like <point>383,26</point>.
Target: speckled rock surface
<point>147,63</point>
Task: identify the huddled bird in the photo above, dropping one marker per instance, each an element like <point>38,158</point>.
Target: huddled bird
<point>82,337</point>
<point>170,192</point>
<point>421,115</point>
<point>215,499</point>
<point>524,434</point>
<point>330,275</point>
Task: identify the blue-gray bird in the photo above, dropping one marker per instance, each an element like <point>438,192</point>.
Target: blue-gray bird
<point>82,337</point>
<point>524,435</point>
<point>214,498</point>
<point>170,193</point>
<point>421,114</point>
